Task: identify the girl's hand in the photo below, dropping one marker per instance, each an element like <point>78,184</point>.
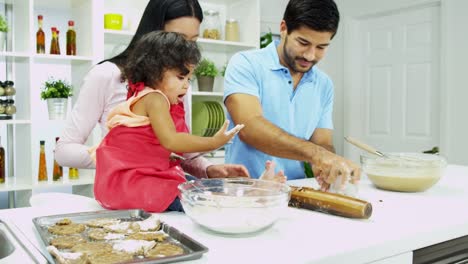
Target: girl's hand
<point>222,136</point>
<point>270,175</point>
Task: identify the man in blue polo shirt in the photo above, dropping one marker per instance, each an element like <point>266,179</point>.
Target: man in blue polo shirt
<point>285,101</point>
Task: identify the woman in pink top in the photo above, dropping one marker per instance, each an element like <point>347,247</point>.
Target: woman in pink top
<point>103,88</point>
<point>133,160</point>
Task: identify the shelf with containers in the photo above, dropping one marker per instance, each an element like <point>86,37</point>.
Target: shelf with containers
<point>20,63</point>
<point>216,13</point>
<point>15,67</point>
<point>246,12</point>
<point>71,68</point>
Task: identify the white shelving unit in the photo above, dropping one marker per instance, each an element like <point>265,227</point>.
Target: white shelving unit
<point>30,70</point>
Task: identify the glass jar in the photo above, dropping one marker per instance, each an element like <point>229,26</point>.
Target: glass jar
<point>231,30</point>
<point>9,88</point>
<point>73,174</point>
<point>10,108</point>
<point>211,25</point>
<point>2,88</point>
<point>3,106</point>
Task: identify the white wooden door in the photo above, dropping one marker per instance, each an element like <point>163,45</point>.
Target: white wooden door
<point>393,101</point>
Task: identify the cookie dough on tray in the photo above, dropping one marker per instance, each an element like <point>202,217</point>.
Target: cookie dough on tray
<point>164,250</point>
<point>65,242</point>
<point>148,236</point>
<point>91,248</point>
<point>101,222</point>
<point>99,234</point>
<point>67,229</point>
<point>109,258</point>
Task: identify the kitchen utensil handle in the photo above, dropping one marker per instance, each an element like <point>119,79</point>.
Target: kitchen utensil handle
<point>363,146</point>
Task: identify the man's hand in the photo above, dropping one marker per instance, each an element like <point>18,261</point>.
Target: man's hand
<point>328,166</point>
<point>227,171</point>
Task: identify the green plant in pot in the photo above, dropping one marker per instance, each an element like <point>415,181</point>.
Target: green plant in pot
<point>56,93</point>
<point>206,72</point>
<point>3,32</point>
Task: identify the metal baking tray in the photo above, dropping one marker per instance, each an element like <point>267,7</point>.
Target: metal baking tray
<point>192,249</point>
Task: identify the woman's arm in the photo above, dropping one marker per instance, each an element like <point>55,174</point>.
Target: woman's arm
<point>71,150</point>
<point>196,167</point>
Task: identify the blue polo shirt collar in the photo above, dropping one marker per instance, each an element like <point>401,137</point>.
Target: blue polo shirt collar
<point>275,65</point>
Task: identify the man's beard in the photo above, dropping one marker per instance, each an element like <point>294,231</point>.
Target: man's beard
<point>291,62</point>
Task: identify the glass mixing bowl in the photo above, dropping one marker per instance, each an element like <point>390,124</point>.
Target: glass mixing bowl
<point>236,205</point>
<point>404,172</point>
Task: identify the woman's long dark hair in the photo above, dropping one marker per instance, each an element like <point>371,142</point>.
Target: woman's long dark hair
<point>157,14</point>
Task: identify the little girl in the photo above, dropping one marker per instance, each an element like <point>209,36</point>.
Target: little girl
<point>133,164</point>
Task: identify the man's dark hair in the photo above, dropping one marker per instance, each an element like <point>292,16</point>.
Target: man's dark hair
<point>157,13</point>
<point>318,15</point>
<point>157,52</point>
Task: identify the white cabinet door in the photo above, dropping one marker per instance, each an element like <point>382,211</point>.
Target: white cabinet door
<point>393,100</point>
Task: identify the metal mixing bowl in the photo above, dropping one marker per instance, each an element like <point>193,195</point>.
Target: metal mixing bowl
<point>234,206</point>
<point>404,172</point>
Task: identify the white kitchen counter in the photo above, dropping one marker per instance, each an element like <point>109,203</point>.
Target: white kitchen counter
<point>400,223</point>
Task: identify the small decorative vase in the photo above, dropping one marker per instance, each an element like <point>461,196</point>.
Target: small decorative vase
<point>57,108</point>
<point>2,40</point>
<point>205,83</point>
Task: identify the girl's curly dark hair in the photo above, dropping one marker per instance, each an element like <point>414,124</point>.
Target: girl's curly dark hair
<point>157,52</point>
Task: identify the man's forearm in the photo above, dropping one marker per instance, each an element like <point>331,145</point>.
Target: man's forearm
<point>330,148</point>
<point>264,136</point>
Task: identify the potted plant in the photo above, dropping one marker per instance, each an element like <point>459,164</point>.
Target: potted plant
<point>206,71</point>
<point>3,32</point>
<point>56,93</point>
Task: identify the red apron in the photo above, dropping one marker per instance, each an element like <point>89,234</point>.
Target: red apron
<point>133,170</point>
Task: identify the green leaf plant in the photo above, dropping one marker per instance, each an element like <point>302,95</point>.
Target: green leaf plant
<point>206,68</point>
<point>56,89</point>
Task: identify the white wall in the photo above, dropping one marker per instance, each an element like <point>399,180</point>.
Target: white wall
<point>333,64</point>
<point>454,43</point>
<point>271,12</point>
<point>454,80</point>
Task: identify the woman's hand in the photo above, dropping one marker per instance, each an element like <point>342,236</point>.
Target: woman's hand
<point>227,171</point>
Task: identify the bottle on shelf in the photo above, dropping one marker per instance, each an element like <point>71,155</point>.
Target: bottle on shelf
<point>42,174</point>
<point>58,170</point>
<point>2,163</point>
<point>73,174</point>
<point>58,41</point>
<point>40,37</point>
<point>71,38</point>
<point>54,43</point>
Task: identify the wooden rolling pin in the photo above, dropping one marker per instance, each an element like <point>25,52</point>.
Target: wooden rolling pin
<point>337,204</point>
